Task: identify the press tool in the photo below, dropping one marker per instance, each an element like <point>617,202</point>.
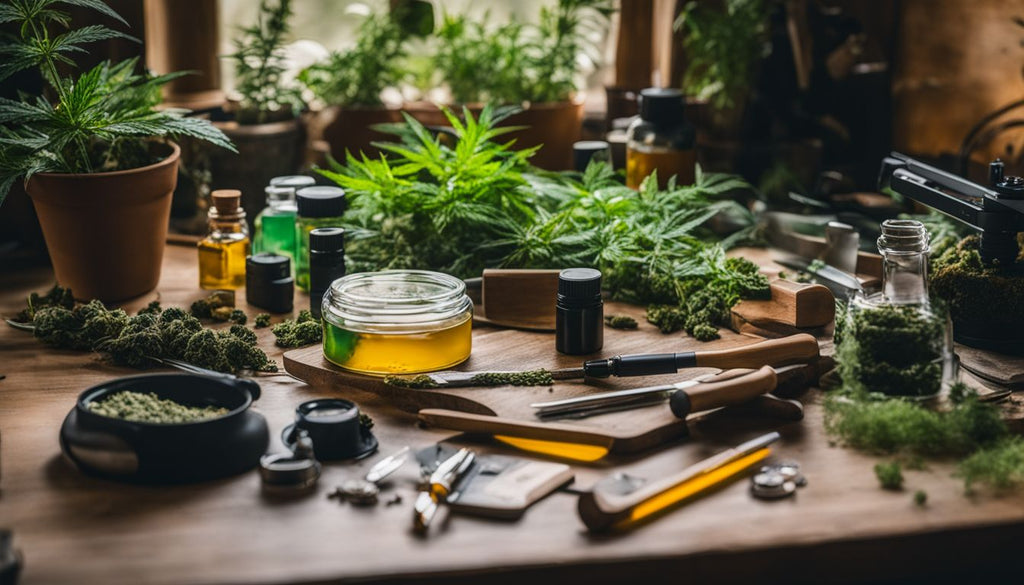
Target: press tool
<point>996,211</point>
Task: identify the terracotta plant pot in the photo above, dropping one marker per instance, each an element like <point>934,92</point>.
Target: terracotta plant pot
<point>106,231</point>
<point>351,129</point>
<point>265,151</point>
<point>555,126</point>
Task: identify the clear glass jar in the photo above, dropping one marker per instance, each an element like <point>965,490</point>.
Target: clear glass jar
<point>898,342</point>
<point>661,139</point>
<point>397,322</point>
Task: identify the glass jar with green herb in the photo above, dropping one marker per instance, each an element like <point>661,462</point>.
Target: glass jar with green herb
<point>897,342</point>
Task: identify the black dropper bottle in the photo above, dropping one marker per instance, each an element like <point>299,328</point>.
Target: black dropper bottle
<point>579,312</point>
<point>326,263</point>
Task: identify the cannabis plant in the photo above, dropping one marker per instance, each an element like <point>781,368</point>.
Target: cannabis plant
<point>357,77</point>
<point>260,66</point>
<point>103,120</point>
<point>723,47</point>
<point>478,204</point>
<point>515,62</point>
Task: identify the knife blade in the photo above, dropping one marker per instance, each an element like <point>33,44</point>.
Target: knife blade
<point>842,284</point>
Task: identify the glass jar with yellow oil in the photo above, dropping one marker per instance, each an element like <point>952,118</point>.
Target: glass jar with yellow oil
<point>223,251</point>
<point>661,140</point>
<point>397,322</point>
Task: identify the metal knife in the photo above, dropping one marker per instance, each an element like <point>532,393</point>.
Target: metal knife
<point>842,284</point>
<point>703,393</point>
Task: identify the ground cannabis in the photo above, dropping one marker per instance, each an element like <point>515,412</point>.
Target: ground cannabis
<point>987,297</point>
<point>890,475</point>
<point>620,322</point>
<point>891,349</point>
<point>419,382</point>
<point>261,320</point>
<point>304,329</point>
<point>150,408</point>
<point>539,377</point>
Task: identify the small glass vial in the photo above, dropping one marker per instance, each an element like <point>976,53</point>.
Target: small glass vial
<point>661,139</point>
<point>326,264</point>
<point>317,207</point>
<point>274,227</point>
<point>898,342</point>
<point>579,312</point>
<point>397,322</point>
<point>223,251</point>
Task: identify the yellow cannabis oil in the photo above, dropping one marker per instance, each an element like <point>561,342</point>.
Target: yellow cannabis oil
<point>398,353</point>
<point>222,252</point>
<point>222,262</point>
<point>397,322</point>
<point>641,162</point>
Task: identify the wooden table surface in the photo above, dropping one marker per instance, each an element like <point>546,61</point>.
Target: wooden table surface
<point>77,529</point>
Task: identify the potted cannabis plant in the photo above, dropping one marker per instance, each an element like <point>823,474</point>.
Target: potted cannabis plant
<point>264,120</point>
<point>724,45</point>
<point>532,66</point>
<point>94,152</point>
<point>349,85</point>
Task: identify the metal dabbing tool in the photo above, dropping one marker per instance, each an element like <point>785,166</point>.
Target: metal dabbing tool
<point>440,485</point>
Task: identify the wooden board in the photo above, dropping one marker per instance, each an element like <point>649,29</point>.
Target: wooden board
<point>1005,370</point>
<point>511,349</point>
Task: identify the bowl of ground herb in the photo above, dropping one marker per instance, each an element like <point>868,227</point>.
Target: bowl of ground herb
<point>165,428</point>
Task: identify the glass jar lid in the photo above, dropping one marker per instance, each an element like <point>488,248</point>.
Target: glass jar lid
<point>396,298</point>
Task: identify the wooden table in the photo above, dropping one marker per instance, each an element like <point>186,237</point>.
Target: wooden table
<point>76,529</point>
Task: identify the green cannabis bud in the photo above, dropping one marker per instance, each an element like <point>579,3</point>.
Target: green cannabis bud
<point>890,475</point>
<point>920,498</point>
<point>303,330</point>
<point>204,308</point>
<point>261,320</point>
<point>620,322</point>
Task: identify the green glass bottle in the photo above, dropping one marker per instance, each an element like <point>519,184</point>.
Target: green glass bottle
<point>318,207</point>
<point>275,225</point>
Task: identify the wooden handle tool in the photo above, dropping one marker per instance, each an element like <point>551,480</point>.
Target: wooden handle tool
<point>614,503</point>
<point>794,304</point>
<point>802,347</point>
<point>727,392</point>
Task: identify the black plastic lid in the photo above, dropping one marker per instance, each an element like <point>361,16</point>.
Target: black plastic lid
<point>585,150</point>
<point>268,267</point>
<point>662,105</point>
<point>330,239</point>
<point>320,201</point>
<point>579,283</point>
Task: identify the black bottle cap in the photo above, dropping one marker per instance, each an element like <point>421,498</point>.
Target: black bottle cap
<point>320,201</point>
<point>662,105</point>
<point>585,150</point>
<point>329,239</point>
<point>267,267</point>
<point>579,283</point>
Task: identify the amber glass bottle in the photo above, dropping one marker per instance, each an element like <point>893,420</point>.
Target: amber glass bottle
<point>222,252</point>
<point>661,139</point>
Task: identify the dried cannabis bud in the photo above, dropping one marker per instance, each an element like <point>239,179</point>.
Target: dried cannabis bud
<point>56,297</point>
<point>150,408</point>
<point>303,330</point>
<point>261,320</point>
<point>620,322</point>
<point>920,498</point>
<point>890,475</point>
<point>152,308</point>
<point>204,308</point>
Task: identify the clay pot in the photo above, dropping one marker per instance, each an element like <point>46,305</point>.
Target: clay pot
<point>555,126</point>
<point>265,151</point>
<point>106,231</point>
<point>351,129</point>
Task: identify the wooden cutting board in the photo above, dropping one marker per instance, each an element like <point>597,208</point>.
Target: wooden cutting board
<point>510,349</point>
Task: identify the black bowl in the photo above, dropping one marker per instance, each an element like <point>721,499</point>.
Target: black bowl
<point>168,453</point>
